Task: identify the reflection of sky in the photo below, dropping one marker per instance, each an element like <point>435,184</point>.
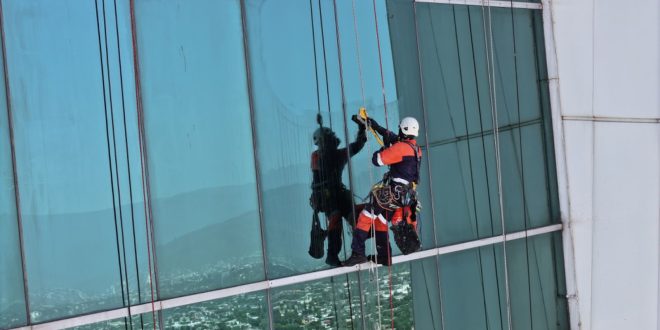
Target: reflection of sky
<point>282,58</point>
<point>61,148</point>
<point>196,107</point>
<point>195,97</point>
<point>11,279</point>
<point>55,122</point>
<point>285,97</point>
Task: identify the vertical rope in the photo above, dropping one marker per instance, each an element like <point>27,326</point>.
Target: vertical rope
<point>357,52</point>
<point>488,40</point>
<point>372,269</point>
<point>382,85</point>
<point>318,104</point>
<point>474,199</point>
<point>483,146</point>
<point>107,135</point>
<point>128,162</point>
<point>428,163</point>
<point>325,66</point>
<point>116,163</point>
<point>343,104</point>
<point>380,65</point>
<point>522,165</point>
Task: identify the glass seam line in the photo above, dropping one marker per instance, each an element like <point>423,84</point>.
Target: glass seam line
<point>128,161</point>
<point>144,176</point>
<point>493,3</point>
<point>257,171</point>
<point>349,162</point>
<point>270,284</point>
<point>469,149</point>
<point>17,199</point>
<point>429,167</point>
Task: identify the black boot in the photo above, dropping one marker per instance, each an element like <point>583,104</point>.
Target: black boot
<point>333,261</point>
<point>357,257</point>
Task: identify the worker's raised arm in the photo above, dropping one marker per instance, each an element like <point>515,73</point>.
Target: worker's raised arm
<point>391,155</point>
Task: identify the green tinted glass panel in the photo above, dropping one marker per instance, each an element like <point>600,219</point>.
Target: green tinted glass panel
<point>473,289</point>
<point>199,143</point>
<point>536,283</point>
<point>294,59</point>
<point>425,285</point>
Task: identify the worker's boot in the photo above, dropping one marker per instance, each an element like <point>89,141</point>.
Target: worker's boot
<point>334,246</point>
<point>357,257</point>
<point>383,249</point>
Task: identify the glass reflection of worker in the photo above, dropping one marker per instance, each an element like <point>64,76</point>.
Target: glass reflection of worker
<point>329,195</point>
<point>392,197</point>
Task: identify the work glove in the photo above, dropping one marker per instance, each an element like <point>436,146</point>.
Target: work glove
<point>361,124</point>
<point>374,124</point>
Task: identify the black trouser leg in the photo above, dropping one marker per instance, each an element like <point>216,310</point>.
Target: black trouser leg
<point>335,229</point>
<point>359,237</point>
<point>383,248</point>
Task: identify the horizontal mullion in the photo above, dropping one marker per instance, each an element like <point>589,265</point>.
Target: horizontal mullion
<point>281,282</point>
<point>607,119</point>
<point>484,133</point>
<point>494,3</point>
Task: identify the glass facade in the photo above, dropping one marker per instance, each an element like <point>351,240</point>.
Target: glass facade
<point>163,151</point>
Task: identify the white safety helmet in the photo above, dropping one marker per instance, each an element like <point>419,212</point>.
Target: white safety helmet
<point>409,126</point>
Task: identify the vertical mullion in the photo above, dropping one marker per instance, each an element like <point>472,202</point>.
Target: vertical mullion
<point>257,170</point>
<point>17,199</point>
<point>350,169</point>
<point>428,162</point>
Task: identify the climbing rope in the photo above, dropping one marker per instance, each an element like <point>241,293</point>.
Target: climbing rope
<point>430,174</point>
<point>522,164</point>
<point>490,59</point>
<point>110,133</point>
<point>372,268</point>
<point>343,104</point>
<point>474,199</point>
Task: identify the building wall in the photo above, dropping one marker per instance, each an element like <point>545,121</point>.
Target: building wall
<point>608,66</point>
<point>155,164</point>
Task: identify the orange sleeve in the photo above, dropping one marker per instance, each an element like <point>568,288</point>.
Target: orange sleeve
<point>393,154</point>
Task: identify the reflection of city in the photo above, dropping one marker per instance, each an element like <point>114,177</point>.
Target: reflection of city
<point>317,305</point>
<point>325,304</point>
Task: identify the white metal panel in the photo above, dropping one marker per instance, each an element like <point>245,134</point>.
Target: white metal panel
<point>493,3</point>
<point>573,42</point>
<point>625,232</point>
<point>579,163</point>
<point>627,58</point>
<point>82,320</point>
<point>562,170</point>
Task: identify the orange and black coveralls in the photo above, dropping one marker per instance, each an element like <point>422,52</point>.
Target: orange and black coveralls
<point>329,195</point>
<point>403,158</point>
